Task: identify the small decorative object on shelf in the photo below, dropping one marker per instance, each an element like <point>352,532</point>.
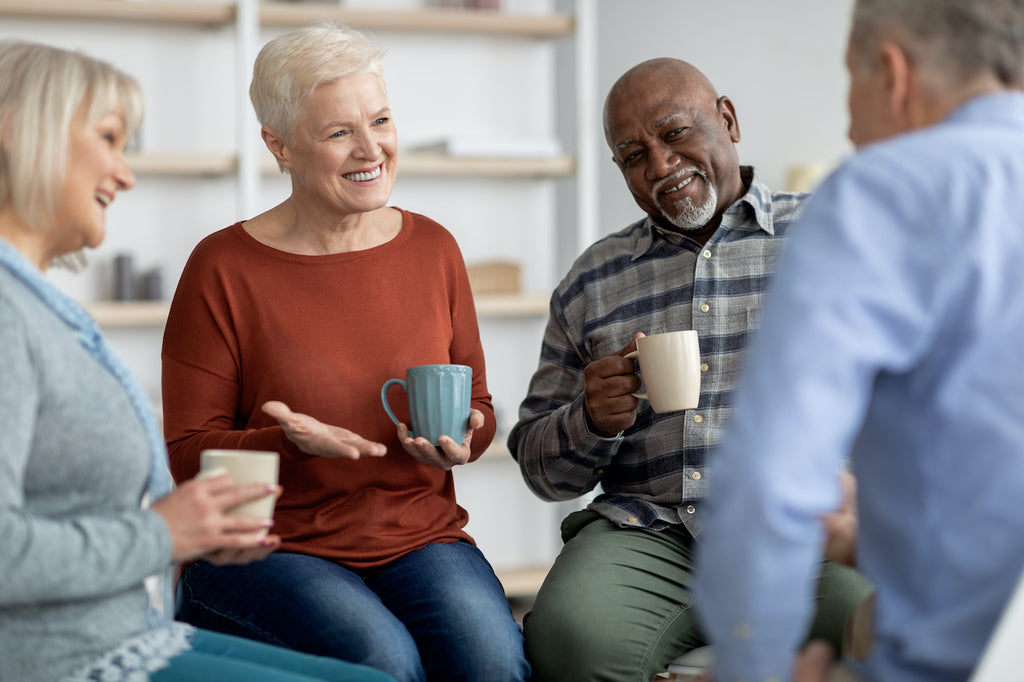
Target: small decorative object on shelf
<point>124,277</point>
<point>468,4</point>
<point>493,277</point>
<point>153,285</point>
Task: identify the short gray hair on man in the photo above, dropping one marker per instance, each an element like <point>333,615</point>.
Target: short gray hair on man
<point>952,42</point>
<point>290,67</point>
<point>43,88</point>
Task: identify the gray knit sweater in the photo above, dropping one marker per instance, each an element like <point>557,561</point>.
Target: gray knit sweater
<point>75,546</point>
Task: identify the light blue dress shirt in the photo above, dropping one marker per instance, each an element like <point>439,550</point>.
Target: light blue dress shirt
<point>893,335</point>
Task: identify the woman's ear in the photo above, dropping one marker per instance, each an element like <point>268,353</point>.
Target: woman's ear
<point>276,144</point>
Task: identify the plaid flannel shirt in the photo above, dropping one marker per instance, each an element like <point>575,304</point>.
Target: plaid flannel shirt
<point>645,279</point>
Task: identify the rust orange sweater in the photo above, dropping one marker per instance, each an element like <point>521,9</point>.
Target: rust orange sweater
<point>249,323</point>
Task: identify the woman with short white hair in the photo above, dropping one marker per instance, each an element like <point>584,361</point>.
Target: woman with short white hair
<point>282,331</point>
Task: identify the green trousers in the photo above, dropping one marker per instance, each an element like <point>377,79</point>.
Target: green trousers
<point>617,604</point>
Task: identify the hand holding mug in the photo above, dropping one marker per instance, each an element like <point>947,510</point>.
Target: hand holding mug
<point>442,422</point>
<point>447,453</point>
<point>608,387</point>
<point>669,369</point>
<point>197,515</point>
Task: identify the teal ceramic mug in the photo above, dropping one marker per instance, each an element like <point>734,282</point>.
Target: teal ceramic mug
<point>439,400</point>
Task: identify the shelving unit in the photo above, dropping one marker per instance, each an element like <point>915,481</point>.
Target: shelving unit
<point>413,164</point>
<point>201,166</point>
<point>121,315</point>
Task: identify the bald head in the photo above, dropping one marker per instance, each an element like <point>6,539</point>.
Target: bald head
<point>661,74</point>
<point>674,139</point>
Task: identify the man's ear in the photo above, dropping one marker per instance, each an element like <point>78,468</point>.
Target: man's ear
<point>276,145</point>
<point>728,113</point>
<point>899,79</point>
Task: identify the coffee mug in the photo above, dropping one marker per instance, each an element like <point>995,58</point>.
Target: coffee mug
<point>244,467</point>
<point>670,370</point>
<point>439,400</point>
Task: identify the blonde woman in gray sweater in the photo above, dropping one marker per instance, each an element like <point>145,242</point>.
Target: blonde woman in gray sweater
<point>81,453</point>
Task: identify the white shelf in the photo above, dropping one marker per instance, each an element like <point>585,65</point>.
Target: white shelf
<point>420,21</point>
<point>282,14</point>
<point>412,164</point>
<point>121,10</point>
<point>129,314</point>
<point>142,314</point>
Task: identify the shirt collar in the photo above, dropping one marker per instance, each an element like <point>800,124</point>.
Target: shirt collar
<point>751,211</point>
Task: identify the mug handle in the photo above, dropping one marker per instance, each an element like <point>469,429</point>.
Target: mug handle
<point>639,394</point>
<point>384,399</point>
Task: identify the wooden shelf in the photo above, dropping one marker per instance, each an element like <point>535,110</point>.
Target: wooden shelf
<point>121,10</point>
<point>420,21</point>
<point>512,305</point>
<point>171,163</point>
<point>141,314</point>
<point>129,314</point>
<point>413,164</point>
<point>522,582</point>
<point>281,14</point>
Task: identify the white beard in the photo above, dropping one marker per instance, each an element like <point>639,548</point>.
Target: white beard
<point>687,216</point>
<point>684,214</point>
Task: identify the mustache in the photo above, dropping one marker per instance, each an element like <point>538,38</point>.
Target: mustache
<point>676,176</point>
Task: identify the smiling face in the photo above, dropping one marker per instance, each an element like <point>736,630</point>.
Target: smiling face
<point>96,171</point>
<point>674,142</point>
<point>344,150</point>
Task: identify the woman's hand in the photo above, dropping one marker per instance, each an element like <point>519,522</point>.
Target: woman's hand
<point>447,453</point>
<point>201,528</point>
<point>314,437</point>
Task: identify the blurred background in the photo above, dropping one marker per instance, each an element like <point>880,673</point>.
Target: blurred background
<point>498,107</point>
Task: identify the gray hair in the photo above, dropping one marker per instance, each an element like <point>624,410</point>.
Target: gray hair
<point>952,42</point>
<point>43,88</point>
<point>289,68</point>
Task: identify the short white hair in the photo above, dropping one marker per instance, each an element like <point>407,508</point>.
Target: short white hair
<point>289,68</point>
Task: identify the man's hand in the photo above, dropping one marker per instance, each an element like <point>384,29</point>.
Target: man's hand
<point>314,437</point>
<point>607,387</point>
<point>841,525</point>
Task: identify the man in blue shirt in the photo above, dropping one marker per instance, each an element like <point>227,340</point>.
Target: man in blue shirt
<point>892,336</point>
<point>616,605</point>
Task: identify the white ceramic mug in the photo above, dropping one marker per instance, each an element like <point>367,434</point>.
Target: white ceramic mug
<point>244,467</point>
<point>670,370</point>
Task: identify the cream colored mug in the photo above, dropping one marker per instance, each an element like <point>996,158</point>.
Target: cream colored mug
<point>244,467</point>
<point>669,369</point>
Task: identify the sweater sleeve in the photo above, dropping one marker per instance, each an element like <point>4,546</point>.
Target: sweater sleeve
<point>201,380</point>
<point>46,559</point>
<point>466,349</point>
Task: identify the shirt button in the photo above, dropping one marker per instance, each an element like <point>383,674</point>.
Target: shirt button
<point>697,419</point>
<point>695,475</point>
<point>632,519</point>
<point>706,253</point>
<point>599,472</point>
<point>690,509</point>
<point>704,307</point>
<point>703,366</point>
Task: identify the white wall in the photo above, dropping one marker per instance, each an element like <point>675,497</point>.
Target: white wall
<point>780,62</point>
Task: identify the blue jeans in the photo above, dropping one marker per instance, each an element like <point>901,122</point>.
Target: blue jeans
<point>221,658</point>
<point>436,614</point>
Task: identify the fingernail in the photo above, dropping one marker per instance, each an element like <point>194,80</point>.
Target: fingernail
<point>267,523</point>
